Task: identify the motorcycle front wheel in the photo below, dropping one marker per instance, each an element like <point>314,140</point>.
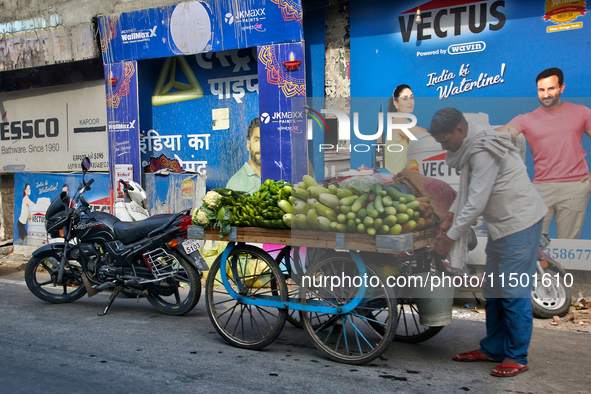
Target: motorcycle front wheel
<point>179,293</point>
<point>41,277</point>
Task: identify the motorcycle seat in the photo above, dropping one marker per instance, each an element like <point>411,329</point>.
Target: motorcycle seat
<point>128,232</point>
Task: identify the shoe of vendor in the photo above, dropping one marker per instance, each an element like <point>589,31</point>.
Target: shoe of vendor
<point>474,355</point>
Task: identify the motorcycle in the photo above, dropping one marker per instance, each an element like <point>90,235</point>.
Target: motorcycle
<point>151,258</point>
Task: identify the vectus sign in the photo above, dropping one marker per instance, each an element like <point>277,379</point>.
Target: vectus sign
<point>344,129</point>
<point>479,17</point>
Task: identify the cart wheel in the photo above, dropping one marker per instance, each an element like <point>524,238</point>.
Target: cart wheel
<point>352,338</point>
<point>293,278</point>
<point>257,276</point>
<point>409,329</point>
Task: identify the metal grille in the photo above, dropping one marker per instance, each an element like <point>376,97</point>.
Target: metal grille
<point>159,262</point>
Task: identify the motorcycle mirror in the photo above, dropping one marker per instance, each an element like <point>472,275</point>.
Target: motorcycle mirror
<point>85,164</point>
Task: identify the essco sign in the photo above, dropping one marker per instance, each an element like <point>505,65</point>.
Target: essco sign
<point>49,129</point>
<point>28,129</point>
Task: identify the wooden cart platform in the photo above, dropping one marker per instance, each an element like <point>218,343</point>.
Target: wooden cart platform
<point>321,239</point>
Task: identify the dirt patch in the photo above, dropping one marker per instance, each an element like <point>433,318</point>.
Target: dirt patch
<point>7,269</point>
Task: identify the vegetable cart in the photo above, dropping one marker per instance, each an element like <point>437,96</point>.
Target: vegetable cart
<point>250,294</point>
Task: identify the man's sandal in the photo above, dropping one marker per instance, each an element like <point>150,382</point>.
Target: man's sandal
<point>498,371</point>
<point>471,356</point>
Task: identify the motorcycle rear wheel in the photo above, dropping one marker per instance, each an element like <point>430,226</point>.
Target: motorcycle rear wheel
<point>41,279</point>
<point>185,294</point>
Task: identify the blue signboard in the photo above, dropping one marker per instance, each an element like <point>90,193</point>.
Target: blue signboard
<point>122,116</point>
<point>33,192</point>
<point>282,114</point>
<point>199,26</point>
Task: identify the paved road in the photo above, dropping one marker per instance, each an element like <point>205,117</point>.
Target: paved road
<point>48,348</point>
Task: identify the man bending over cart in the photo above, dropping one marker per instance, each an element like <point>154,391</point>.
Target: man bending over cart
<point>494,183</point>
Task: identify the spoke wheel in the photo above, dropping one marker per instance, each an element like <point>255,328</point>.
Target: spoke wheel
<point>41,278</point>
<point>294,317</point>
<point>178,294</point>
<point>352,338</point>
<point>409,329</point>
<point>252,274</point>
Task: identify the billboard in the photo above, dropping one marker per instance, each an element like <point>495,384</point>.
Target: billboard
<point>52,129</point>
<point>199,26</point>
<point>34,192</point>
<point>481,57</point>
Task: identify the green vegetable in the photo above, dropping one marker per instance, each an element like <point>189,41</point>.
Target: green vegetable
<point>299,206</point>
<point>343,193</point>
<point>285,206</point>
<point>390,211</point>
<point>362,213</point>
<point>378,204</point>
<point>384,229</point>
<point>387,201</point>
<point>372,211</point>
<point>301,222</point>
<point>351,226</point>
<point>390,220</point>
<point>377,188</point>
<point>325,211</point>
<point>330,200</point>
<point>401,218</point>
<point>341,228</point>
<point>312,219</point>
<point>395,230</point>
<point>316,191</point>
<point>323,223</point>
<point>358,204</point>
<point>309,181</point>
<point>348,201</point>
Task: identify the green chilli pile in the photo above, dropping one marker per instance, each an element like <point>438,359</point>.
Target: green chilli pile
<point>269,207</point>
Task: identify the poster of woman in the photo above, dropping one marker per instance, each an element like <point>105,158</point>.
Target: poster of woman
<point>23,219</point>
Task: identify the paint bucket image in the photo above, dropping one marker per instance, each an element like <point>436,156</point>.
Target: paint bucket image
<point>36,227</point>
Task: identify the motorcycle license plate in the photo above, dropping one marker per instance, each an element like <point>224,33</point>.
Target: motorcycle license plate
<point>191,245</point>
